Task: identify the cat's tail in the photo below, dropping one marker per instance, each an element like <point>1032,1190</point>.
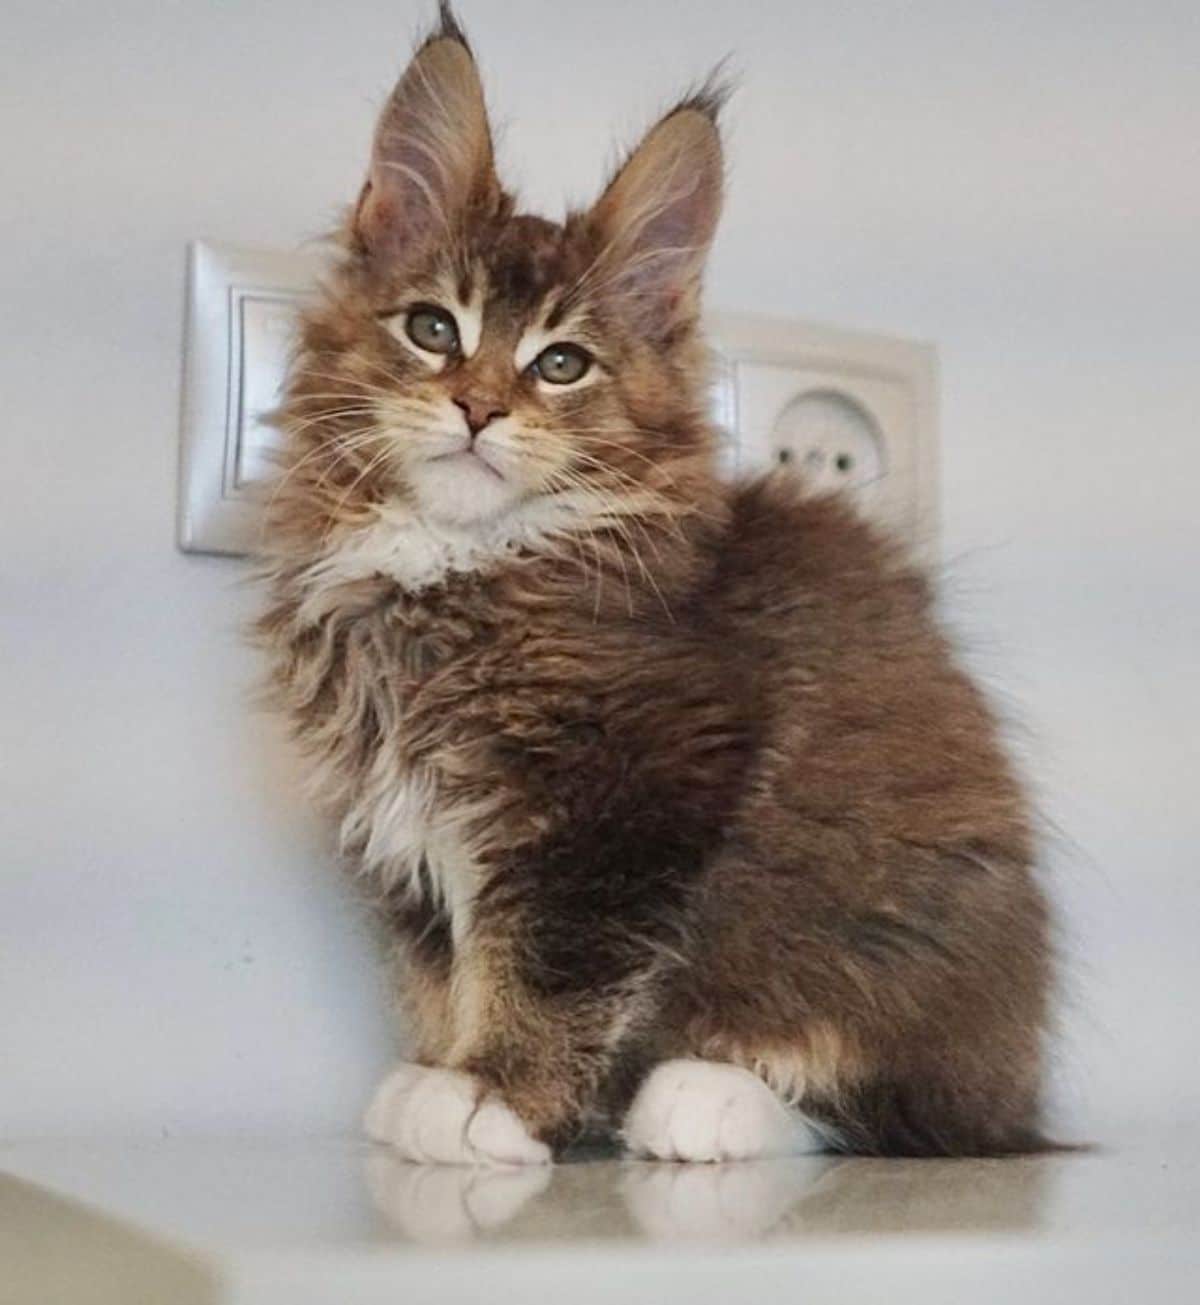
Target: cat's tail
<point>884,1118</point>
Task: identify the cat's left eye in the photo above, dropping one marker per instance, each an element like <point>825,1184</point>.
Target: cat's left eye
<point>562,364</point>
<point>432,329</point>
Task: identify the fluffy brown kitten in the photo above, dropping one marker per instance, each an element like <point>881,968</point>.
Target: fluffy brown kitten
<point>681,814</point>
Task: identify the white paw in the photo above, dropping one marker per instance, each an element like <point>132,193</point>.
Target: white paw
<point>702,1110</point>
<point>436,1116</point>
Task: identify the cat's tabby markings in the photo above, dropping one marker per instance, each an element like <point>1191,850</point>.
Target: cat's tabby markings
<point>681,814</point>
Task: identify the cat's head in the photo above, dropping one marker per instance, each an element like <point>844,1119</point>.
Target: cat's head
<point>480,365</point>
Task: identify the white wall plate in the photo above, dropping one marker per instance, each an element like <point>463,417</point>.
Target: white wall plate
<point>241,310</point>
<point>847,409</point>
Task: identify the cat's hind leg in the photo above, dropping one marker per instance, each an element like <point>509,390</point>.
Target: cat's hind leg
<point>709,1111</point>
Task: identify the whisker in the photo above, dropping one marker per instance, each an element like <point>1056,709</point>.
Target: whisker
<point>364,440</point>
<point>292,426</point>
<point>669,508</point>
<point>572,483</point>
<point>371,466</point>
<point>616,516</point>
<point>339,450</point>
<point>343,379</point>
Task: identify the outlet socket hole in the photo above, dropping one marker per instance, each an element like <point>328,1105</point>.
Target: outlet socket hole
<point>832,439</point>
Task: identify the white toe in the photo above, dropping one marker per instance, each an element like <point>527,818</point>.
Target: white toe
<point>435,1116</point>
<point>742,1124</point>
<point>705,1111</point>
<point>498,1136</point>
<point>387,1098</point>
<point>423,1113</point>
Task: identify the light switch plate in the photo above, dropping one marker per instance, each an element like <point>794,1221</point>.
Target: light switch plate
<point>241,309</point>
<point>781,387</point>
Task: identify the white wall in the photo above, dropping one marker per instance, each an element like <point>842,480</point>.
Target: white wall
<point>1018,181</point>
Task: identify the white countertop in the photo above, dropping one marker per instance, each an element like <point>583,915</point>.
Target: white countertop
<point>302,1220</point>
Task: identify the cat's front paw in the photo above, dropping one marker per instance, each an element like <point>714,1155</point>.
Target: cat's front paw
<point>705,1111</point>
<point>438,1116</point>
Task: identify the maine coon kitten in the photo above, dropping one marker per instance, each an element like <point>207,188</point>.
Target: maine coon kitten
<point>679,810</point>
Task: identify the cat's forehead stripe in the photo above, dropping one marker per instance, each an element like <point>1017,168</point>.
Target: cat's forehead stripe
<point>465,294</point>
<point>536,338</point>
<point>555,315</point>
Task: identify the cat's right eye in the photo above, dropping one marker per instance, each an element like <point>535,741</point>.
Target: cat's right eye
<point>432,329</point>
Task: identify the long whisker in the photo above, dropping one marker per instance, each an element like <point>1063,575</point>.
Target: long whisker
<point>388,374</point>
<point>577,540</point>
<point>630,485</point>
<point>372,398</point>
<point>351,379</point>
<point>669,508</point>
<point>360,386</point>
<point>615,516</point>
<point>371,466</point>
<point>297,426</point>
<point>687,509</point>
<point>574,484</point>
<point>363,440</point>
<point>622,478</point>
<point>339,449</point>
<point>334,447</point>
<point>588,437</point>
<point>618,523</point>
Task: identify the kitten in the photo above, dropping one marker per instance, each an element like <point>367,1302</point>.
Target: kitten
<point>681,814</point>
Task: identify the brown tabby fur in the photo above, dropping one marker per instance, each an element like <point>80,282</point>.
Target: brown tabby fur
<point>715,786</point>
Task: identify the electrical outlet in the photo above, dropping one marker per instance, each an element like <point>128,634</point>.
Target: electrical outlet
<point>844,409</point>
<point>833,441</point>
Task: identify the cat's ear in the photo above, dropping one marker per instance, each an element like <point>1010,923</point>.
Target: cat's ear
<point>431,162</point>
<point>656,220</point>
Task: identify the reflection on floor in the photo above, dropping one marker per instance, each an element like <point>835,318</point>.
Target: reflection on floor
<point>808,1197</point>
<point>299,1220</point>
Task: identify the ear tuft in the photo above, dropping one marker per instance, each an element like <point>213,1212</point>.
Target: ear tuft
<point>710,96</point>
<point>657,218</point>
<point>432,157</point>
<point>449,27</point>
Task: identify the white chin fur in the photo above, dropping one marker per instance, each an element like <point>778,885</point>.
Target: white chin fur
<point>461,490</point>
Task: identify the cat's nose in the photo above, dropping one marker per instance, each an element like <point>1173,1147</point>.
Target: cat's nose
<point>479,412</point>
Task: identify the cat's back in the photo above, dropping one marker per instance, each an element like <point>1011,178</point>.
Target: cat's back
<point>860,695</point>
<point>807,569</point>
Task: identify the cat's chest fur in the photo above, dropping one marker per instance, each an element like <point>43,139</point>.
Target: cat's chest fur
<point>415,680</point>
<point>415,819</point>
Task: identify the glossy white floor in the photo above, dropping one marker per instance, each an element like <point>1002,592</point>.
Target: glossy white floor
<point>301,1221</point>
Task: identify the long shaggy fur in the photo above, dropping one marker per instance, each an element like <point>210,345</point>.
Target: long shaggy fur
<point>636,765</point>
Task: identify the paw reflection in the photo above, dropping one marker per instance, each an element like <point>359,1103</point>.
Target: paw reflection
<point>605,1198</point>
<point>736,1201</point>
<point>448,1203</point>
